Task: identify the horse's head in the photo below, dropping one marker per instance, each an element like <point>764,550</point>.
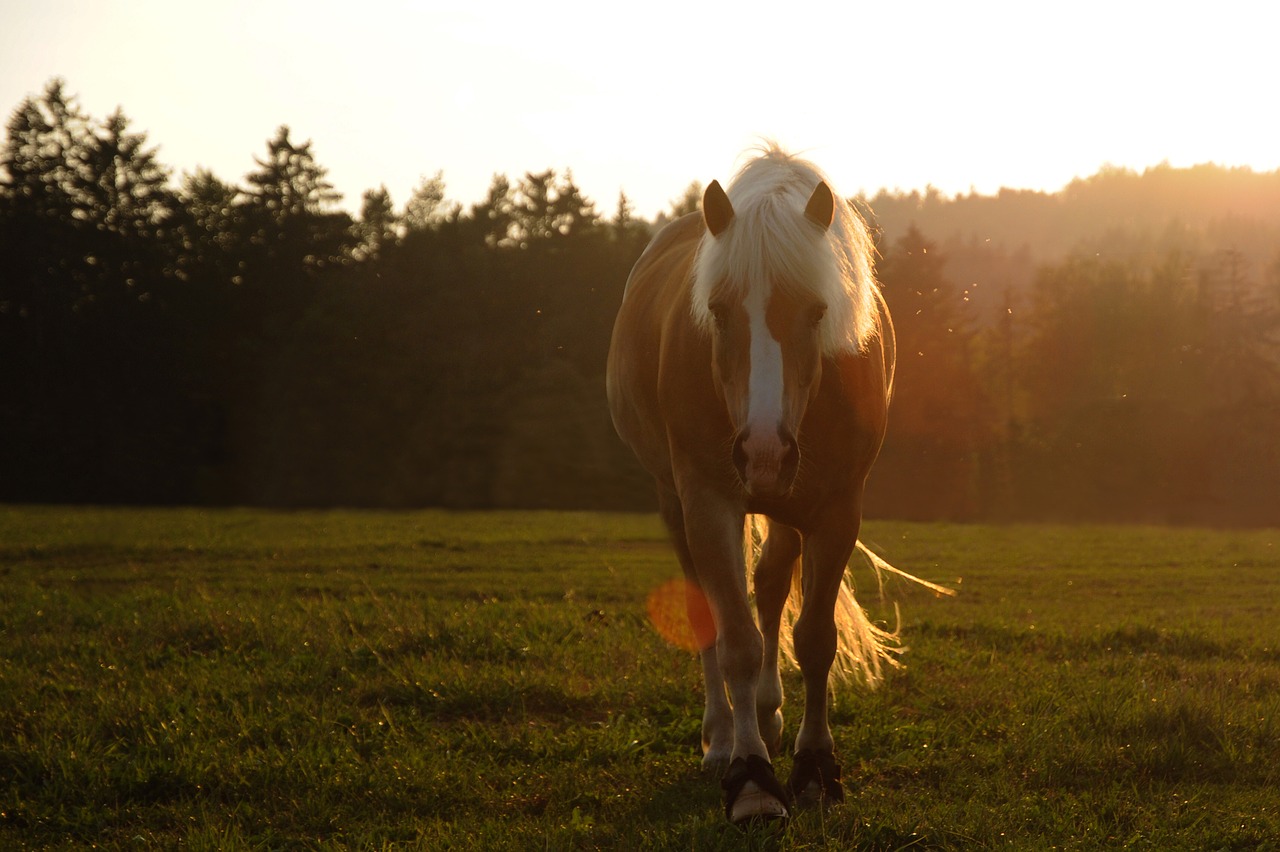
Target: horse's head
<point>767,328</point>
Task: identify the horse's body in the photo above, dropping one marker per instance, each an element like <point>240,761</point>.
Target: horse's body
<point>750,371</point>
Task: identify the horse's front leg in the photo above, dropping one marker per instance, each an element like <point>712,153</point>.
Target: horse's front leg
<point>773,586</point>
<point>815,774</point>
<point>713,530</point>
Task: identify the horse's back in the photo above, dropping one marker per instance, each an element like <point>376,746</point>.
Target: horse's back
<point>658,285</point>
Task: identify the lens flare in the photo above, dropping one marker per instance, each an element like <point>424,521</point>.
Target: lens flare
<point>679,612</point>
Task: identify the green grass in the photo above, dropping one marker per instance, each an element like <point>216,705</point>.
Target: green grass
<point>245,679</point>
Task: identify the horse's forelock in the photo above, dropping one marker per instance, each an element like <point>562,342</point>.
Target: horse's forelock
<point>771,242</point>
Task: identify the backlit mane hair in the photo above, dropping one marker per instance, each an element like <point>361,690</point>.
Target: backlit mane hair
<point>769,241</point>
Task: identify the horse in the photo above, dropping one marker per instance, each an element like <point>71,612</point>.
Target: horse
<point>750,371</point>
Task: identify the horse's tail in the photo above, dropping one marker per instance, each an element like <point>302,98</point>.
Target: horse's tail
<point>863,648</point>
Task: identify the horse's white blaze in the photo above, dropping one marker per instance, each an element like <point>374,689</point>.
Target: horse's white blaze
<point>764,387</point>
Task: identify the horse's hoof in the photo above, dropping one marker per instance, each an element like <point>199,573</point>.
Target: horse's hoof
<point>752,793</point>
<point>815,779</point>
<point>754,805</point>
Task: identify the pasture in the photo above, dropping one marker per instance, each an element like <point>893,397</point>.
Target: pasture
<point>231,679</point>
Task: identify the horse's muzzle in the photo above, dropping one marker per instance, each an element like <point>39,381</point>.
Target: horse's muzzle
<point>766,463</point>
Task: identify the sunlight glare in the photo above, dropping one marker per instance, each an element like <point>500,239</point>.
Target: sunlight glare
<point>670,606</point>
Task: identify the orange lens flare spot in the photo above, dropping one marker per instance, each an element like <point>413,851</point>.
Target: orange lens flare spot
<point>679,612</point>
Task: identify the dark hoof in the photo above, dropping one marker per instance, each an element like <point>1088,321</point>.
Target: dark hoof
<point>815,779</point>
<point>752,793</point>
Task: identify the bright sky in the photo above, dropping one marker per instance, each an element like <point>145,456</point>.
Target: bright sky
<point>646,97</point>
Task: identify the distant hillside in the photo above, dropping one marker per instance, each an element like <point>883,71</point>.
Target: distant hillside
<point>993,244</point>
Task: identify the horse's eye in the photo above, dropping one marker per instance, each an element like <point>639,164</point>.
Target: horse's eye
<point>718,314</point>
<point>816,315</point>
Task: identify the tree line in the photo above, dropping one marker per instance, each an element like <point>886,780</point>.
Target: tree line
<point>207,342</point>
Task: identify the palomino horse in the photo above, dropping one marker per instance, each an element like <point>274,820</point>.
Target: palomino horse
<point>750,371</point>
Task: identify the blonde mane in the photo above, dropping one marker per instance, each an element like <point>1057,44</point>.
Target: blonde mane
<point>769,241</point>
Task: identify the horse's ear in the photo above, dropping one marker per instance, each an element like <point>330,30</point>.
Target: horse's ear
<point>717,212</point>
<point>821,209</point>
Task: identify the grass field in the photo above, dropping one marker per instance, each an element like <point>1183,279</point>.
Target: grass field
<point>245,679</point>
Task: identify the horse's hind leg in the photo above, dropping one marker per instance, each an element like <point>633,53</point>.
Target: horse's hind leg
<point>773,576</point>
<point>717,716</point>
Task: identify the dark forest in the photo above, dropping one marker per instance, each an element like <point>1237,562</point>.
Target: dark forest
<point>1109,352</point>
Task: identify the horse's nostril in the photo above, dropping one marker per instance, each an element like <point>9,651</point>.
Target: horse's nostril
<point>740,454</point>
<point>790,451</point>
<point>790,458</point>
